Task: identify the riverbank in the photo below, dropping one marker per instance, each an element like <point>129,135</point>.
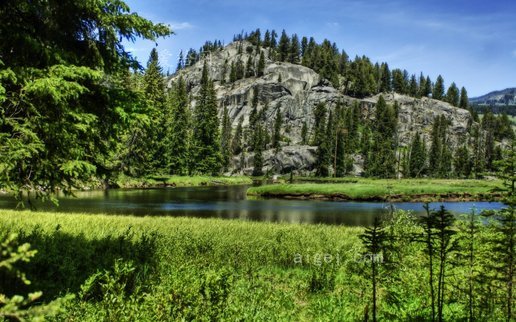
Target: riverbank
<point>179,181</point>
<point>359,189</point>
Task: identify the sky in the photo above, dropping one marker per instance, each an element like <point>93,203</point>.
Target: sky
<point>469,42</point>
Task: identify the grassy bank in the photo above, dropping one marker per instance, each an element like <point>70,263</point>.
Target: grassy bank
<point>154,269</point>
<point>180,181</point>
<point>383,189</point>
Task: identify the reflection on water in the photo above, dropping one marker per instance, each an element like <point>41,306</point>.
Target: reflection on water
<point>231,203</point>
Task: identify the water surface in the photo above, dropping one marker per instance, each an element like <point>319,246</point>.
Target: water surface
<point>230,202</point>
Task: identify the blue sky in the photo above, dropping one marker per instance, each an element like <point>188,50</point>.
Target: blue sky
<point>471,42</point>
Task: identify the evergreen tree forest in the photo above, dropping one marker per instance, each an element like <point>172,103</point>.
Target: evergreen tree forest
<point>342,133</point>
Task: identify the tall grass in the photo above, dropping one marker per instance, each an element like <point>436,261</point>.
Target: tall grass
<point>382,189</point>
<point>124,268</point>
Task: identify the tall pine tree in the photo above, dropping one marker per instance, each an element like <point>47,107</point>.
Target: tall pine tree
<point>206,137</point>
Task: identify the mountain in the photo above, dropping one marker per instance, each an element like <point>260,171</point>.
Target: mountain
<point>503,97</point>
<point>295,90</point>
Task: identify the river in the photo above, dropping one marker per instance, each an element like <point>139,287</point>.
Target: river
<point>230,202</point>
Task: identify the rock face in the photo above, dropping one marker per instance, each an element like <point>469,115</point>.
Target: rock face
<point>295,90</point>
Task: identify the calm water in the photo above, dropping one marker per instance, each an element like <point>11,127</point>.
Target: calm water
<point>231,203</point>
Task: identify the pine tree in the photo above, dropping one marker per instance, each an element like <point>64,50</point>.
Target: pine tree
<point>373,240</point>
<point>385,83</point>
<point>284,47</point>
<point>206,136</point>
<point>278,123</point>
<point>452,95</point>
<point>398,82</point>
<point>179,129</point>
<point>239,69</point>
<point>294,50</point>
<point>274,37</point>
<point>413,87</point>
<point>438,92</point>
<point>181,62</point>
<point>156,138</point>
<point>236,143</point>
<point>464,100</point>
<point>249,68</point>
<point>382,163</point>
<point>322,161</point>
<point>232,73</point>
<point>304,133</point>
<point>462,162</point>
<point>417,158</point>
<point>258,150</point>
<point>436,148</point>
<point>225,140</point>
<point>267,39</point>
<point>261,65</point>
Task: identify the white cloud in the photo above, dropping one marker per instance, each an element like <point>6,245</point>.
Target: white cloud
<point>333,24</point>
<point>180,25</point>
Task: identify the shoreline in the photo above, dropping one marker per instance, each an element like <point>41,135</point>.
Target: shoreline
<point>385,190</point>
<point>451,197</point>
<point>177,181</point>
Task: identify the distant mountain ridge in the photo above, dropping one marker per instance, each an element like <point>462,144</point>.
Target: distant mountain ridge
<point>496,98</point>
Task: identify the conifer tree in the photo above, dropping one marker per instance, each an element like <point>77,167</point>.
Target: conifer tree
<point>249,68</point>
<point>428,87</point>
<point>261,65</point>
<point>413,87</point>
<point>284,47</point>
<point>452,95</point>
<point>417,157</point>
<point>464,100</point>
<point>435,156</point>
<point>179,129</point>
<point>304,45</point>
<point>258,150</point>
<point>438,91</point>
<point>267,39</point>
<point>181,62</point>
<point>294,50</point>
<point>156,138</point>
<point>236,143</point>
<point>304,133</point>
<point>382,162</point>
<point>320,140</point>
<point>225,140</point>
<point>239,69</point>
<point>373,240</point>
<point>206,136</point>
<point>385,83</point>
<point>274,37</point>
<point>462,162</point>
<point>232,73</point>
<point>278,123</point>
<point>398,82</point>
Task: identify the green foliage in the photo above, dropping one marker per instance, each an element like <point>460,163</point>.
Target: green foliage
<point>204,270</point>
<point>63,112</point>
<point>278,123</point>
<point>417,157</point>
<point>438,90</point>
<point>452,95</point>
<point>206,157</point>
<point>17,307</point>
<point>225,140</point>
<point>382,158</point>
<point>179,129</point>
